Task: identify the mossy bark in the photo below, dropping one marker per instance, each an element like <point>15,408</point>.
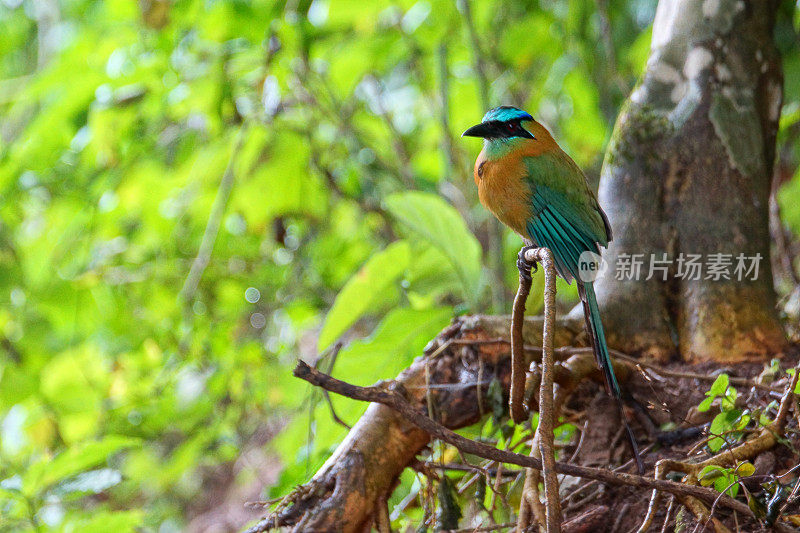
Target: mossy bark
<point>688,172</point>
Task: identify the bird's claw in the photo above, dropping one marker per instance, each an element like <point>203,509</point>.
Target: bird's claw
<point>526,268</point>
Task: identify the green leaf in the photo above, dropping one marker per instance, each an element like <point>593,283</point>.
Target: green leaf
<point>709,474</point>
<point>745,469</point>
<point>436,221</point>
<point>367,287</point>
<point>729,399</point>
<point>716,444</point>
<point>719,386</point>
<point>724,421</point>
<point>728,485</point>
<point>73,461</point>
<point>705,405</point>
<point>743,422</point>
<point>118,521</point>
<point>722,478</point>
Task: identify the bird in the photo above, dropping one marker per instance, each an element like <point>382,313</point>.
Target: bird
<point>532,186</point>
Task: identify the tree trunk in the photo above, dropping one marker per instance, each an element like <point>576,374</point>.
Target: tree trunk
<point>688,172</point>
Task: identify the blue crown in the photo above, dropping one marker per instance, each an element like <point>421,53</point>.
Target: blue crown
<point>505,113</point>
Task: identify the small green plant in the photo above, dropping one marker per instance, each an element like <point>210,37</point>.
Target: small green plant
<point>731,420</point>
<point>725,479</point>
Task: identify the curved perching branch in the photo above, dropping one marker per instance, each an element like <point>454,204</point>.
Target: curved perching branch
<point>543,439</point>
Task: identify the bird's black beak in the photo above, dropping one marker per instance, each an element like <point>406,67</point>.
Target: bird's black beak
<point>478,130</point>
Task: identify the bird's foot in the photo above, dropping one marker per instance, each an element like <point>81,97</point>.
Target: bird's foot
<point>526,268</point>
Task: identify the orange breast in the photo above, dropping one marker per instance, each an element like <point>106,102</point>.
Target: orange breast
<point>503,190</point>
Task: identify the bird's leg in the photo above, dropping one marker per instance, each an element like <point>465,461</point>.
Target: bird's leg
<point>526,268</point>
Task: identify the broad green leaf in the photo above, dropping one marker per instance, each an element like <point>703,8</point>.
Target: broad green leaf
<point>363,290</point>
<point>719,386</point>
<point>104,521</point>
<point>73,461</point>
<point>725,421</point>
<point>745,469</point>
<point>436,221</point>
<point>709,474</point>
<point>727,484</point>
<point>705,405</point>
<point>429,276</point>
<point>397,340</point>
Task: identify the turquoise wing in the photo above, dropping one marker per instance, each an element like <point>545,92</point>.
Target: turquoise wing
<point>552,229</point>
<point>566,217</point>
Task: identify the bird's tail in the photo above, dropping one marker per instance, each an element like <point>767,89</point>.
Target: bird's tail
<point>598,338</point>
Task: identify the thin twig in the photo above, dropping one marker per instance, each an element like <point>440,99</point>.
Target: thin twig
<point>542,446</point>
<point>212,226</point>
<point>333,355</point>
<point>452,162</point>
<point>482,529</point>
<point>467,468</point>
<point>592,483</point>
<point>620,516</point>
<point>565,352</point>
<point>616,354</point>
<point>668,514</point>
<point>494,233</point>
<point>580,441</point>
<point>398,143</point>
<point>530,501</point>
<point>478,60</point>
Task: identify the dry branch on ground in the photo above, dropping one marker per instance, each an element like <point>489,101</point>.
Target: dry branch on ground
<point>345,493</point>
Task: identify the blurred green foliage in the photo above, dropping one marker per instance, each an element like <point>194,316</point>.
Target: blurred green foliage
<point>312,147</point>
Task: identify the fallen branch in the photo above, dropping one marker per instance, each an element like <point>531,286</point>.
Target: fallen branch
<point>391,394</point>
<point>463,360</point>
